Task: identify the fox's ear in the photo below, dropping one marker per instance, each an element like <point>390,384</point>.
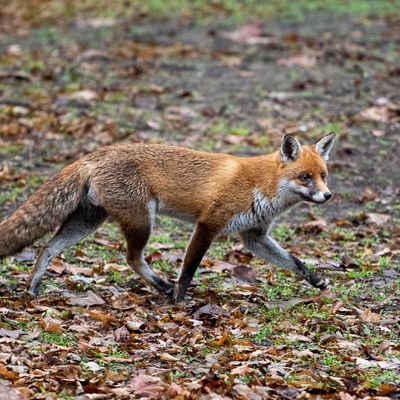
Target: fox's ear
<point>290,149</point>
<point>324,145</point>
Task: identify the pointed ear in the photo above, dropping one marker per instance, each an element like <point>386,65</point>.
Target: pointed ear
<point>290,149</point>
<point>324,145</point>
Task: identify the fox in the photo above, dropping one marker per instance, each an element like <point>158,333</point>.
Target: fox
<point>133,182</point>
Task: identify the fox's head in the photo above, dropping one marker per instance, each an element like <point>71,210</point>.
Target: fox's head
<point>303,168</point>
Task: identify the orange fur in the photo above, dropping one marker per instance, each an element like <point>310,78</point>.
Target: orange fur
<point>131,182</point>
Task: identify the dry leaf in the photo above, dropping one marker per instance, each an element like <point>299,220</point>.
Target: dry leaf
<point>302,60</point>
<point>168,357</point>
<point>86,300</point>
<point>377,219</point>
<point>146,385</point>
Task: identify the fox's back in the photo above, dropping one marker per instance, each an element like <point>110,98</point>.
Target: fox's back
<point>177,177</point>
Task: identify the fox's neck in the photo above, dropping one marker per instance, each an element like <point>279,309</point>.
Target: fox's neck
<point>270,207</point>
<point>262,172</point>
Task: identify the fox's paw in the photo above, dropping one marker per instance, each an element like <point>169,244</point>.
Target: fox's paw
<point>322,283</point>
<point>33,292</point>
<point>163,286</point>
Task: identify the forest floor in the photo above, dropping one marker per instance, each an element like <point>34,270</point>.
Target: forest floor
<point>222,76</point>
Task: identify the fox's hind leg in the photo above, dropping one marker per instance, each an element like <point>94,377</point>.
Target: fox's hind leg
<point>137,231</point>
<point>82,222</point>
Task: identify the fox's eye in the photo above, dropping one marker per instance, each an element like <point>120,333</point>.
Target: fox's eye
<point>324,176</point>
<point>304,177</point>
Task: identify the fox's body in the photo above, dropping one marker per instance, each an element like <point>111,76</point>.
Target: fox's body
<point>133,182</point>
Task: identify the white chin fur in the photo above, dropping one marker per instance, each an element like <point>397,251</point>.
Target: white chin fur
<point>319,197</point>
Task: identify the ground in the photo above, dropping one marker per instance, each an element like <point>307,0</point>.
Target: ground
<point>223,76</point>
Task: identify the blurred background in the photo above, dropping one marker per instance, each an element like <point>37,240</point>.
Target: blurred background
<point>215,75</point>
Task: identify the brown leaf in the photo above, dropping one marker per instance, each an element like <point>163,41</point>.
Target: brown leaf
<point>378,132</point>
<point>365,364</point>
<point>375,113</point>
<point>368,194</point>
<point>14,334</point>
<point>146,385</point>
<point>168,357</point>
<point>387,389</point>
<point>345,396</point>
<point>128,301</point>
<point>348,262</point>
<point>210,311</point>
<point>88,299</point>
<point>246,32</point>
<point>385,344</point>
<point>66,373</point>
<point>155,256</point>
<point>134,324</point>
<point>241,370</point>
<point>368,316</point>
<point>106,319</point>
<point>314,227</point>
<point>245,274</point>
<point>49,324</point>
<point>301,60</point>
<point>24,392</point>
<point>377,219</point>
<point>7,374</point>
<point>76,270</point>
<point>112,267</point>
<point>122,334</point>
<point>218,265</point>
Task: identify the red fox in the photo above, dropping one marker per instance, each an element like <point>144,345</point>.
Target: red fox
<point>131,183</point>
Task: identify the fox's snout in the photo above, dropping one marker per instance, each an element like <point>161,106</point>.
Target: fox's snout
<point>321,197</point>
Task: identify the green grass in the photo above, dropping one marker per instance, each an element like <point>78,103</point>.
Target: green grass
<point>57,338</point>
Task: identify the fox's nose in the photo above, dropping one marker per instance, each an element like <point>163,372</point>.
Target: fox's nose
<point>327,195</point>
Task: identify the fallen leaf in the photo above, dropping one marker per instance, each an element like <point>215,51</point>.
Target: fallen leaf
<point>377,219</point>
<point>209,310</point>
<point>314,227</point>
<point>168,357</point>
<point>378,132</point>
<point>365,364</point>
<point>96,23</point>
<point>301,60</point>
<point>298,338</point>
<point>134,323</point>
<point>7,374</point>
<point>112,267</point>
<point>368,194</point>
<point>49,324</point>
<point>347,262</point>
<point>14,334</point>
<point>245,33</point>
<point>146,385</point>
<point>93,366</point>
<point>374,113</point>
<point>245,274</point>
<point>241,370</point>
<point>106,319</point>
<point>88,299</point>
<point>128,301</point>
<point>368,316</point>
<point>218,266</point>
<point>122,334</point>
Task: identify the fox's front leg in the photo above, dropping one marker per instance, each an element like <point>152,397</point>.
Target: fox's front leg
<point>261,244</point>
<point>198,245</point>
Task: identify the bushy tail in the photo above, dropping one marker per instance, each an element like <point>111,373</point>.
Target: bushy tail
<point>43,211</point>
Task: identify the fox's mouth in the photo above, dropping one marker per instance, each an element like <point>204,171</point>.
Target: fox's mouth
<point>311,200</point>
